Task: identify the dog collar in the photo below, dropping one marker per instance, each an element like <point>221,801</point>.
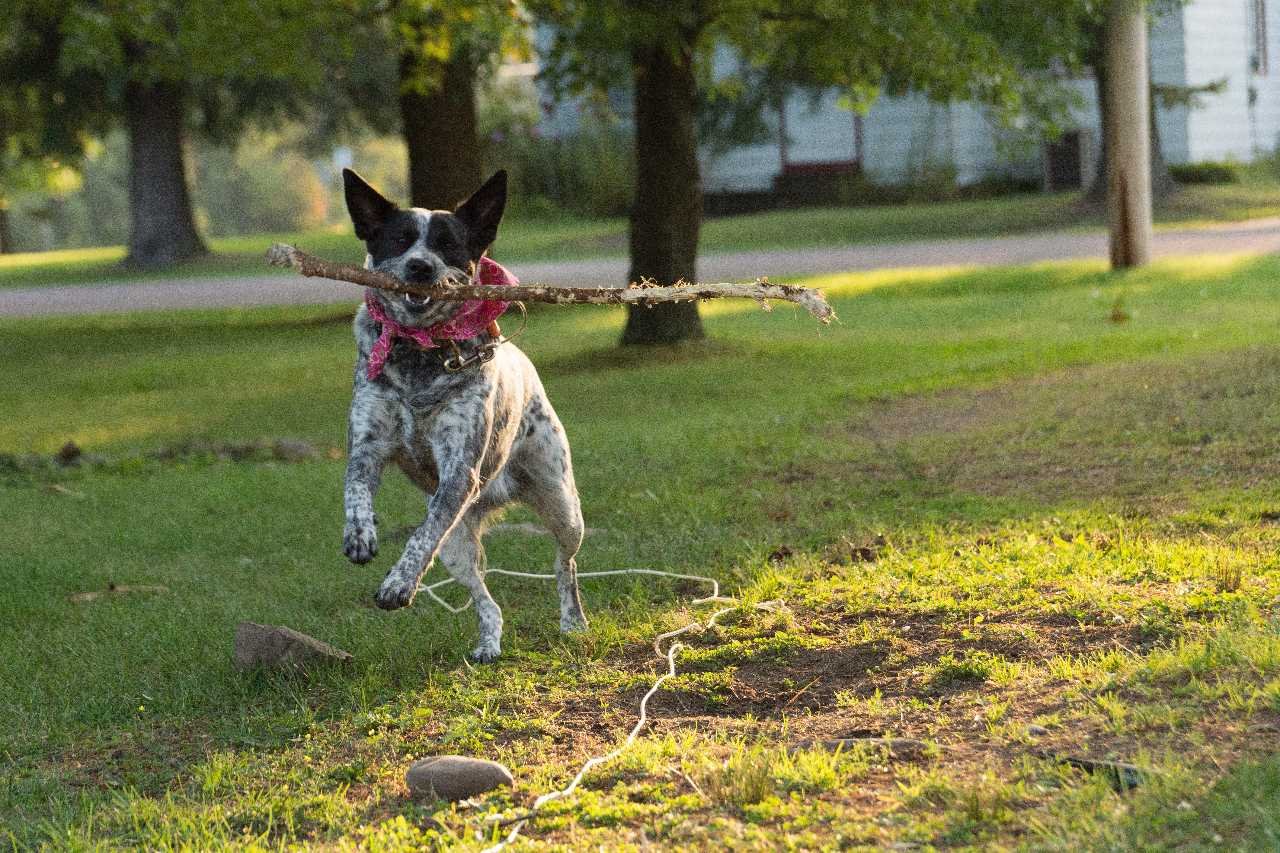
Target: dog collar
<point>475,316</point>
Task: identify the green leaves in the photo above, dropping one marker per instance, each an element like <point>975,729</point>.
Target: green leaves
<point>1003,53</point>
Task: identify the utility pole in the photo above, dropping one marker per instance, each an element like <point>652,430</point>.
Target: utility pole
<point>1128,91</point>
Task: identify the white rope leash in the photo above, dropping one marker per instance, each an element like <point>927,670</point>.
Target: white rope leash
<point>643,717</point>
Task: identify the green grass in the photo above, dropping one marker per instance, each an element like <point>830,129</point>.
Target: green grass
<point>986,507</point>
<point>569,238</point>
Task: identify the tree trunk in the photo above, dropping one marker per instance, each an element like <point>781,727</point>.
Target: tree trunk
<point>438,119</point>
<point>162,228</point>
<point>667,211</point>
<point>1162,182</point>
<point>6,234</point>
<point>1128,140</point>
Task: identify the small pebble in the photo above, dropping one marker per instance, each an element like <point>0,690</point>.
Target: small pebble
<point>455,777</point>
<point>1037,731</point>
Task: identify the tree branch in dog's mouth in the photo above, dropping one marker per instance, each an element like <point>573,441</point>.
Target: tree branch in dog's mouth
<point>645,293</point>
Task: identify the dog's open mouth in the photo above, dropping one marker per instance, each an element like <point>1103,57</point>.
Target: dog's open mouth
<point>416,301</point>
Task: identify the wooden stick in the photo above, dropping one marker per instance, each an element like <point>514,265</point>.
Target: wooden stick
<point>284,255</point>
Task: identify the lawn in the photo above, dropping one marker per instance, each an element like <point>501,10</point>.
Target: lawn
<point>1001,523</point>
<point>552,239</point>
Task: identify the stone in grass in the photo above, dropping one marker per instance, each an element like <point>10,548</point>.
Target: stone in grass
<point>274,646</point>
<point>455,777</point>
<point>1121,776</point>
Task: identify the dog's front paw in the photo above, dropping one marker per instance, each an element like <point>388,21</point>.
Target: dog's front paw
<point>360,542</point>
<point>396,592</point>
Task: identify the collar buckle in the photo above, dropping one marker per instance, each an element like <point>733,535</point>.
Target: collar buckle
<point>458,362</point>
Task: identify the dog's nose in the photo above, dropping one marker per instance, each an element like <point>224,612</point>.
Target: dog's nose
<point>419,268</point>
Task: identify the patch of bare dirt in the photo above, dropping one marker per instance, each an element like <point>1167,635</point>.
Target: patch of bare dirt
<point>895,662</point>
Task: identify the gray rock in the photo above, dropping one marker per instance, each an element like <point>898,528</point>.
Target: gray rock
<point>1037,731</point>
<point>275,646</point>
<point>1120,775</point>
<point>455,777</point>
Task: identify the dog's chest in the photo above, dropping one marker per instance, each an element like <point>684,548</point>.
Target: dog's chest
<point>432,402</point>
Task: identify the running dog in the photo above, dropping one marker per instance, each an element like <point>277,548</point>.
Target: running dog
<point>461,412</point>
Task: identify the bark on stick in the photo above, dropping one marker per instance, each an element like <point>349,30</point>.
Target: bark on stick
<point>761,290</point>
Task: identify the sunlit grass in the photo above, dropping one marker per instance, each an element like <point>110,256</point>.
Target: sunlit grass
<point>985,504</point>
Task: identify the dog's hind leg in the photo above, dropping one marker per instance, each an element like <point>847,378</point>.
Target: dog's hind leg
<point>463,556</point>
<point>556,503</point>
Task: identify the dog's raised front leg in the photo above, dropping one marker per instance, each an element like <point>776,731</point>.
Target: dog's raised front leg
<point>372,429</point>
<point>458,443</point>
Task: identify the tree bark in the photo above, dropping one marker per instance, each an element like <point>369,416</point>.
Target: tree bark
<point>1162,182</point>
<point>162,228</point>
<point>438,119</point>
<point>6,234</point>
<point>667,211</point>
<point>1128,140</point>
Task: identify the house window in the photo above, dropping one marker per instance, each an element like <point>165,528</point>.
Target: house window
<point>1260,61</point>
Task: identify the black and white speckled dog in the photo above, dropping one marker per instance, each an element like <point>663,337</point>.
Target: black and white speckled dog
<point>473,440</point>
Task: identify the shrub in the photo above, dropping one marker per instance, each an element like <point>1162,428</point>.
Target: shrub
<point>263,185</point>
<point>1205,173</point>
<point>589,171</point>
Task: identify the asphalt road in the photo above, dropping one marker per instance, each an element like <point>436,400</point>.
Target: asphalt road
<point>1256,236</point>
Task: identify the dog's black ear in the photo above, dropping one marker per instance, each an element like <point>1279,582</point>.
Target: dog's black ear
<point>366,205</point>
<point>483,211</point>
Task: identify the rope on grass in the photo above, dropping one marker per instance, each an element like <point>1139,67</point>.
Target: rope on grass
<point>518,822</point>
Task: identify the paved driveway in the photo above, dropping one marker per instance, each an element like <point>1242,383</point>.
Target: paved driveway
<point>1257,236</point>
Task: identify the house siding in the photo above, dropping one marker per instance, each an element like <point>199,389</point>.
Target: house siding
<point>1267,85</point>
<point>819,129</point>
<point>744,169</point>
<point>910,138</point>
<point>906,139</point>
<point>1217,47</point>
<point>1169,67</point>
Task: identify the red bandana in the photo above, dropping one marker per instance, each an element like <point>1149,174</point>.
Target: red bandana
<point>472,319</point>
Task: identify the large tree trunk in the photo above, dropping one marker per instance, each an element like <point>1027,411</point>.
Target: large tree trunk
<point>162,228</point>
<point>438,118</point>
<point>1162,182</point>
<point>1128,97</point>
<point>6,234</point>
<point>667,211</point>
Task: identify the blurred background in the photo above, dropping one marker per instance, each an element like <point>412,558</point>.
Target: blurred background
<point>269,101</point>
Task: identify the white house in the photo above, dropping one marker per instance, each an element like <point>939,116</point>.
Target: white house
<point>905,138</point>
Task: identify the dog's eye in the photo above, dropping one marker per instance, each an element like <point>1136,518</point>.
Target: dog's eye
<point>406,238</point>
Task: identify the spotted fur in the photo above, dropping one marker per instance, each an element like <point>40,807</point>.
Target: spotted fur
<point>473,441</point>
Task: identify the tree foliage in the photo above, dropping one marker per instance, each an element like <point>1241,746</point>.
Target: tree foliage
<point>1002,53</point>
<point>997,52</point>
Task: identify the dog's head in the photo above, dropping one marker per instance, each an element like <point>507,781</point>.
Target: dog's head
<point>423,246</point>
